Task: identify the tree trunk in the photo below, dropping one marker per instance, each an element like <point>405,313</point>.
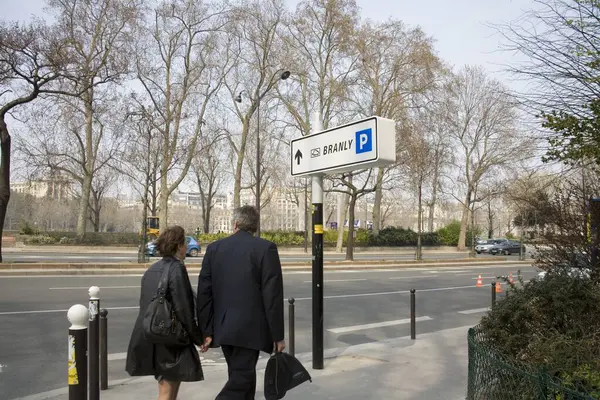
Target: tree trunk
<point>490,221</point>
<point>4,175</point>
<point>419,255</point>
<point>433,201</point>
<point>206,227</point>
<point>154,208</point>
<point>82,217</point>
<point>464,222</point>
<point>343,206</point>
<point>350,242</point>
<point>207,214</point>
<point>377,204</point>
<point>163,199</point>
<point>472,252</point>
<point>97,218</point>
<point>237,178</point>
<point>88,172</point>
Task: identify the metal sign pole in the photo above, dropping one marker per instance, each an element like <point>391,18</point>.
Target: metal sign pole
<point>317,260</point>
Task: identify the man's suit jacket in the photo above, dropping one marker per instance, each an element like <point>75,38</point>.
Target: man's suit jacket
<point>240,293</point>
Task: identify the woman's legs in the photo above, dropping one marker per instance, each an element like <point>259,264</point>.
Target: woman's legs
<point>167,390</point>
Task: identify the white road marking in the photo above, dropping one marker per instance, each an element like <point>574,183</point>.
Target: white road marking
<point>450,271</point>
<point>475,311</point>
<point>87,287</point>
<point>70,276</point>
<point>413,277</point>
<point>339,280</point>
<point>117,356</point>
<point>347,329</point>
<point>59,311</point>
<point>485,277</point>
<point>343,296</point>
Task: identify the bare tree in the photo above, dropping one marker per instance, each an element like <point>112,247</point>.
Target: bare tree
<point>416,163</point>
<point>255,50</point>
<point>557,44</point>
<point>32,59</point>
<point>397,66</point>
<point>98,35</point>
<point>180,69</point>
<point>208,175</point>
<point>100,187</point>
<point>348,185</point>
<point>482,120</point>
<point>58,149</point>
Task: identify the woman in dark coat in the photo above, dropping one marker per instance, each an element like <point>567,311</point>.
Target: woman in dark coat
<point>169,365</point>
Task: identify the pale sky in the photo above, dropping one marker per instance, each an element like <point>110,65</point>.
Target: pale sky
<point>458,26</point>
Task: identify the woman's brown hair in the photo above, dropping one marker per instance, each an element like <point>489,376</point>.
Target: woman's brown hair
<point>168,241</point>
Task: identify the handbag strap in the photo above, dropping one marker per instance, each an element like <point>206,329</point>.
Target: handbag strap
<point>163,282</point>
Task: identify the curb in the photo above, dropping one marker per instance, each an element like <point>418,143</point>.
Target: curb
<point>286,268</point>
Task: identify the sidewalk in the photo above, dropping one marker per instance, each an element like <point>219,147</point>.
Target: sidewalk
<point>432,367</point>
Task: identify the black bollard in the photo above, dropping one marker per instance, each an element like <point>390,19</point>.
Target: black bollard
<point>77,352</point>
<point>103,349</point>
<point>413,322</point>
<point>493,294</point>
<point>94,344</point>
<point>292,317</point>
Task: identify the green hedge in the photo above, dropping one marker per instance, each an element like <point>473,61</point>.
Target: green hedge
<point>91,238</point>
<point>388,237</point>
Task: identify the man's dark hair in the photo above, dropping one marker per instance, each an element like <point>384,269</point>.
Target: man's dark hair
<point>246,218</point>
<point>169,240</point>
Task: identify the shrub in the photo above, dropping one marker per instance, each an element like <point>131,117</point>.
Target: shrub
<point>552,324</point>
<point>27,229</point>
<point>398,236</point>
<point>449,234</point>
<point>361,237</point>
<point>39,239</point>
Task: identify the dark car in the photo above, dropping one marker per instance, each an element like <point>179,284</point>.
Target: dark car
<point>507,248</point>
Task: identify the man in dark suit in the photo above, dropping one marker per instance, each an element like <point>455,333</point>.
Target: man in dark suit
<point>240,302</point>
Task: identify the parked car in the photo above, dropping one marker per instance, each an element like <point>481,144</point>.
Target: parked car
<point>487,245</point>
<point>507,248</point>
<point>573,272</point>
<point>578,266</point>
<point>193,248</point>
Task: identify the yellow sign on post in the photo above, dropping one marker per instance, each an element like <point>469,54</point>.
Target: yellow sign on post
<point>319,229</point>
<point>73,377</point>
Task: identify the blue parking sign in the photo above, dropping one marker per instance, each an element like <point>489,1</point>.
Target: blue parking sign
<point>364,141</point>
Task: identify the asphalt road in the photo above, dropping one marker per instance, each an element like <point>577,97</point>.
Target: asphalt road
<point>360,306</point>
<point>103,257</point>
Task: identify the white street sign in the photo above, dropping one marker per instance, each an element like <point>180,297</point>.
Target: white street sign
<point>360,144</point>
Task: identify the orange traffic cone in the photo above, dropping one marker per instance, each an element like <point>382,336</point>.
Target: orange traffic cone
<point>479,281</point>
<point>510,279</point>
<point>498,287</point>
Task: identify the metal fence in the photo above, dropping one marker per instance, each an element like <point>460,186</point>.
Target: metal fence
<point>493,376</point>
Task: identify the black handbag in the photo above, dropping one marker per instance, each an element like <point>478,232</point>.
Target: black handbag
<point>161,325</point>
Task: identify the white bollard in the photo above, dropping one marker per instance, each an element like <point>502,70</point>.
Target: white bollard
<point>94,344</point>
<point>77,352</point>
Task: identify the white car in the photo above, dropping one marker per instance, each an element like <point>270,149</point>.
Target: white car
<point>573,272</point>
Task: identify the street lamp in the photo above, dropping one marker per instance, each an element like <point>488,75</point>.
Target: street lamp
<point>284,75</point>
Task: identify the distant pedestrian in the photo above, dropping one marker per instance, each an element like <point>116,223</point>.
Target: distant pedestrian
<point>170,365</point>
<point>240,302</point>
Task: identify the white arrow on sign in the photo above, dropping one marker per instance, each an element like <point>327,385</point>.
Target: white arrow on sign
<point>361,144</point>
